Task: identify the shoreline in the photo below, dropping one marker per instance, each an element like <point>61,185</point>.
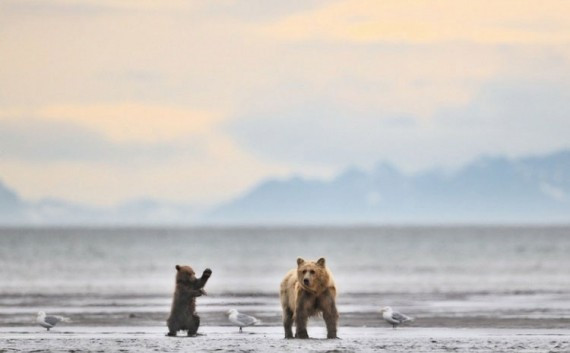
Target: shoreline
<point>431,310</point>
<point>270,339</point>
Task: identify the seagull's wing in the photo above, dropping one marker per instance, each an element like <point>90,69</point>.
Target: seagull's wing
<point>246,320</point>
<point>52,320</point>
<point>400,317</point>
<point>390,318</point>
<point>44,324</point>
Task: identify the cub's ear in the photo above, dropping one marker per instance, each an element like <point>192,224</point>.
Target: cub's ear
<point>321,262</point>
<point>177,267</point>
<point>300,261</point>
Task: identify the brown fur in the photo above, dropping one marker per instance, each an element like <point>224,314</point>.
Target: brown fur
<point>183,312</point>
<point>308,291</point>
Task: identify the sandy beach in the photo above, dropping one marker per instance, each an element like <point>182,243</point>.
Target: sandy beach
<point>270,339</point>
<point>444,323</point>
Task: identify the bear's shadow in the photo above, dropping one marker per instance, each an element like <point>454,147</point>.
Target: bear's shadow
<point>186,336</point>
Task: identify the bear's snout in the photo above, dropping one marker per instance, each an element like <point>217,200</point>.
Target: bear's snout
<point>306,281</point>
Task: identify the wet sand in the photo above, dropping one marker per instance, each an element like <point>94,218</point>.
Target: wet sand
<point>270,339</point>
<point>131,323</point>
<point>432,310</point>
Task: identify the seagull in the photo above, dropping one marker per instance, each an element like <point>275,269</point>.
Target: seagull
<point>393,317</point>
<point>50,321</point>
<point>241,320</point>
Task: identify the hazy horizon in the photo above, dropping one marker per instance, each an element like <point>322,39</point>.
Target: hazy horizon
<point>269,178</point>
<point>489,190</point>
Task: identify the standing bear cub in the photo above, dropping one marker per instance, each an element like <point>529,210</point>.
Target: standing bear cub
<point>305,292</point>
<point>183,313</point>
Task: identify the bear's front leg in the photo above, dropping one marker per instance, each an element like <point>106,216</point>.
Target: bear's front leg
<point>288,322</point>
<point>302,315</point>
<point>301,325</point>
<point>330,314</point>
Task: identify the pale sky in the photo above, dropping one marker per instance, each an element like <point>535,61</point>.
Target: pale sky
<point>103,101</point>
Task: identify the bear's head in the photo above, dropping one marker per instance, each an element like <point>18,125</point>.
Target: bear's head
<point>185,275</point>
<point>312,276</point>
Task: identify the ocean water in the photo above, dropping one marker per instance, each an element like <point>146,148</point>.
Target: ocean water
<point>431,271</point>
<point>254,260</point>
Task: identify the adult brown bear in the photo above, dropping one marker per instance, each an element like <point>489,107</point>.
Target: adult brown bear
<point>183,312</point>
<point>307,291</point>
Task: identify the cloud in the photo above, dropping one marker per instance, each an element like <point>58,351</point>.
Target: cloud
<point>41,141</point>
<point>111,99</point>
<point>63,160</point>
<point>259,10</point>
<point>116,133</point>
<point>396,21</point>
<point>134,121</point>
<point>104,154</point>
<point>93,7</point>
<point>513,118</point>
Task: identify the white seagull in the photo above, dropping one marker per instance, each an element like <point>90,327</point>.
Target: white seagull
<point>49,321</point>
<point>393,317</point>
<point>241,320</point>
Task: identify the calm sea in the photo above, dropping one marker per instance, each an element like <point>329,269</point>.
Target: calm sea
<point>253,260</point>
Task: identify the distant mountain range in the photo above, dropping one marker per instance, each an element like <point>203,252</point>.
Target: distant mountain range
<point>488,190</point>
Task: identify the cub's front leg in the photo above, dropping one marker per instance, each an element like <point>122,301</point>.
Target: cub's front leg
<point>204,279</point>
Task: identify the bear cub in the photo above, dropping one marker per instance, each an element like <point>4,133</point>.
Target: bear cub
<point>307,291</point>
<point>183,312</point>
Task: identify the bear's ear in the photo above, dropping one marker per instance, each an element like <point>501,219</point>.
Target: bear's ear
<point>321,262</point>
<point>177,267</point>
<point>300,261</point>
